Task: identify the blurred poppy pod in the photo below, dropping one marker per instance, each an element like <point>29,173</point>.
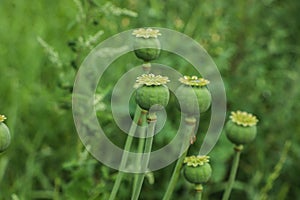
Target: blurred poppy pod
<point>241,128</point>
<point>146,44</point>
<point>193,95</point>
<point>197,169</point>
<point>4,135</point>
<point>152,92</point>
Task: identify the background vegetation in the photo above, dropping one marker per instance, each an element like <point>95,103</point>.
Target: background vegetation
<point>254,43</point>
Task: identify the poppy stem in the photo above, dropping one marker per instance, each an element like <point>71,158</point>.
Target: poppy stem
<point>198,189</point>
<point>233,172</point>
<point>189,129</point>
<point>127,147</point>
<point>151,118</point>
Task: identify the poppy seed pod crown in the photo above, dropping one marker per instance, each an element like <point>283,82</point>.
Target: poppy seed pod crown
<point>193,95</point>
<point>152,91</point>
<point>146,37</point>
<point>197,169</point>
<point>241,128</point>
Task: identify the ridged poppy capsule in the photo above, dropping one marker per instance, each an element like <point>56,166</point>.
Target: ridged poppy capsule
<point>152,91</point>
<point>241,128</point>
<point>146,44</point>
<point>193,95</point>
<point>197,169</point>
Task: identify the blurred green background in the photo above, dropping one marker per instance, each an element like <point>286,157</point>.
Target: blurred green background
<point>254,43</point>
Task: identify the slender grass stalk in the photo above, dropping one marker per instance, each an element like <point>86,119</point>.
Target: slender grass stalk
<point>189,129</point>
<point>276,172</point>
<point>127,147</point>
<point>152,118</point>
<point>234,168</point>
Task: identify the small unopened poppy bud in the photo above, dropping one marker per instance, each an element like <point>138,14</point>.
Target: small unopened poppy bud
<point>241,128</point>
<point>197,169</point>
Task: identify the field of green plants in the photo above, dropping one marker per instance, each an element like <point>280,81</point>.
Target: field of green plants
<point>255,45</point>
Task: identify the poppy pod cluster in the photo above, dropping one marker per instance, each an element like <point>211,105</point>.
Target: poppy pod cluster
<point>4,135</point>
<point>241,128</point>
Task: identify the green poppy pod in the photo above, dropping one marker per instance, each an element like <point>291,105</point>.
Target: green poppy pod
<point>146,38</point>
<point>148,96</point>
<point>152,92</point>
<point>193,95</point>
<point>147,54</point>
<point>4,135</point>
<point>197,169</point>
<point>241,129</point>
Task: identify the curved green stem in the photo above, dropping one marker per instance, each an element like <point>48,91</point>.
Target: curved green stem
<point>233,171</point>
<point>146,154</point>
<point>189,128</point>
<point>126,151</point>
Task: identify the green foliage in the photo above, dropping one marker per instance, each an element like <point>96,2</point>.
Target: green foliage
<point>255,45</point>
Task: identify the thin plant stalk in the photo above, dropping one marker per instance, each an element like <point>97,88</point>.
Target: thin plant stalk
<point>146,67</point>
<point>174,177</point>
<point>141,144</point>
<point>189,129</point>
<point>127,147</point>
<point>198,196</point>
<point>233,171</point>
<point>198,190</point>
<point>152,118</point>
<point>142,130</point>
<point>276,172</point>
